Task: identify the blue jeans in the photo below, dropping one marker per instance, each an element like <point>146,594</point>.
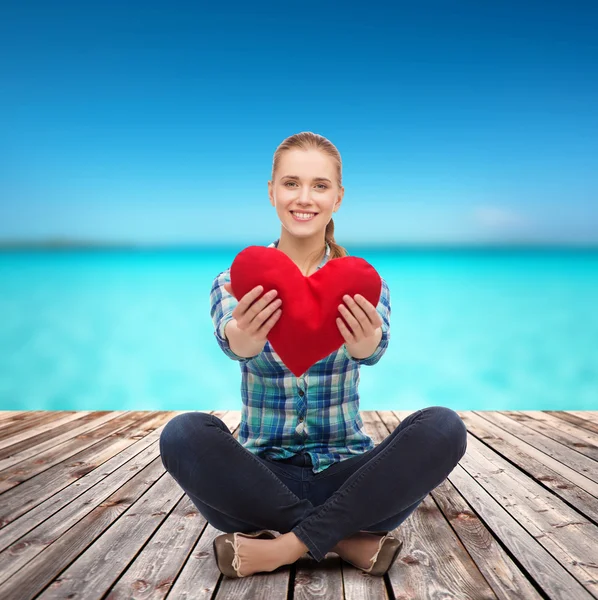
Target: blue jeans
<point>236,490</point>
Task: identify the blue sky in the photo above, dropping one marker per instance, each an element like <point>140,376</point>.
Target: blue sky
<point>155,122</point>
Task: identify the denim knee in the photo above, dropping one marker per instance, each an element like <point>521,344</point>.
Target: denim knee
<point>452,427</point>
<point>180,429</point>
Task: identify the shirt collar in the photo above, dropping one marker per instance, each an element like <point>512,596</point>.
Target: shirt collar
<point>323,261</point>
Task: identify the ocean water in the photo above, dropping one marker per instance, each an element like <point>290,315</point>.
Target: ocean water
<point>131,330</point>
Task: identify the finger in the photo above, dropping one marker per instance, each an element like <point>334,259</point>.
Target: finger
<point>263,309</point>
<point>370,310</point>
<point>249,297</point>
<point>245,302</point>
<point>354,325</point>
<point>265,301</point>
<point>269,324</point>
<point>262,322</point>
<point>355,316</point>
<point>347,335</point>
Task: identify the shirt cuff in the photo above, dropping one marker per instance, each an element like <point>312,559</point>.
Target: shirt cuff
<point>223,341</point>
<point>373,358</point>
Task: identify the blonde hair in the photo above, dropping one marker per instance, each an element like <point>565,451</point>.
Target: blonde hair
<point>306,140</point>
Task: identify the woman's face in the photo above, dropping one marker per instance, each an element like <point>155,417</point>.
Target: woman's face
<point>305,181</point>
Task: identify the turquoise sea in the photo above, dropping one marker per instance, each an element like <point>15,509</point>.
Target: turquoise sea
<point>471,329</point>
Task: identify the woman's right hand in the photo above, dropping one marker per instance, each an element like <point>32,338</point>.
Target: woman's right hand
<point>256,319</point>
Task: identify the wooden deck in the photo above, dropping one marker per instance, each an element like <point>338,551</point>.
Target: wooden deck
<point>88,511</point>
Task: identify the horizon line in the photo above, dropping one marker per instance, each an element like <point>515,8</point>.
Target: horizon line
<point>66,243</point>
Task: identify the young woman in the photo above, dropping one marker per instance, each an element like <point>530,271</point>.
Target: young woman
<point>302,465</point>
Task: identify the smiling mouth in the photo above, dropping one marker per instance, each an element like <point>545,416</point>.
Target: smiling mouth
<point>294,213</point>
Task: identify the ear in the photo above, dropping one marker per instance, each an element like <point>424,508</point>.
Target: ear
<point>339,200</point>
<point>270,196</point>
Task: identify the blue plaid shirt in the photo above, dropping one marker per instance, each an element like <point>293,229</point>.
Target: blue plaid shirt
<point>316,413</point>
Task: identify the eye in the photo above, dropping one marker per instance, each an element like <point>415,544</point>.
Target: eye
<point>319,184</point>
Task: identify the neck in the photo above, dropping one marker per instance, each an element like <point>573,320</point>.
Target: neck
<point>306,253</point>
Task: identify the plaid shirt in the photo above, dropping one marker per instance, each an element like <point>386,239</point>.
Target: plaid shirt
<point>317,413</point>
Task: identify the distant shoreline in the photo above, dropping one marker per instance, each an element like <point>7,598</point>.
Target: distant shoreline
<point>65,245</point>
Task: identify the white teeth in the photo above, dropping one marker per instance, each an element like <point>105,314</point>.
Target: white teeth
<point>305,216</point>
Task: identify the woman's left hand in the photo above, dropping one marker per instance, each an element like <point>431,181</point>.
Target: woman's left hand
<point>362,317</point>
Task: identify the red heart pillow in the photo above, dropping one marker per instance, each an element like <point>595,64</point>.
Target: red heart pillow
<point>306,330</point>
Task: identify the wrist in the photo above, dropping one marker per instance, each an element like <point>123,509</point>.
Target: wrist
<point>365,348</point>
<point>240,343</point>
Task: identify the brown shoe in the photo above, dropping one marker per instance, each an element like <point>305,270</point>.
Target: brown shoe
<point>387,553</point>
<point>225,550</point>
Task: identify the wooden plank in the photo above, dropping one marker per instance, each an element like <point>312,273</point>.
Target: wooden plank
<point>331,578</point>
<point>32,419</point>
<point>587,415</point>
<point>77,500</point>
<point>497,566</point>
<point>539,564</point>
<point>119,528</point>
<point>9,416</point>
<point>573,418</point>
<point>574,488</point>
<point>55,547</point>
<point>566,535</point>
<point>576,461</point>
<point>31,432</point>
<point>159,564</point>
<point>94,439</point>
<point>26,447</point>
<point>572,437</point>
<point>19,500</point>
<point>200,575</point>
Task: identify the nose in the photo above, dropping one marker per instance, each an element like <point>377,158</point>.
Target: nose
<point>304,197</point>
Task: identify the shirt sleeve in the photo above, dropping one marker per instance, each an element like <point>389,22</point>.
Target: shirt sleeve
<point>383,309</point>
<point>222,305</point>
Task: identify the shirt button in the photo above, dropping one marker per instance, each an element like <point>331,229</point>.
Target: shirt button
<point>301,392</point>
<point>300,419</point>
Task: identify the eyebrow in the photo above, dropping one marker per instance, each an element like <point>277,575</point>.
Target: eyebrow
<point>314,179</point>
